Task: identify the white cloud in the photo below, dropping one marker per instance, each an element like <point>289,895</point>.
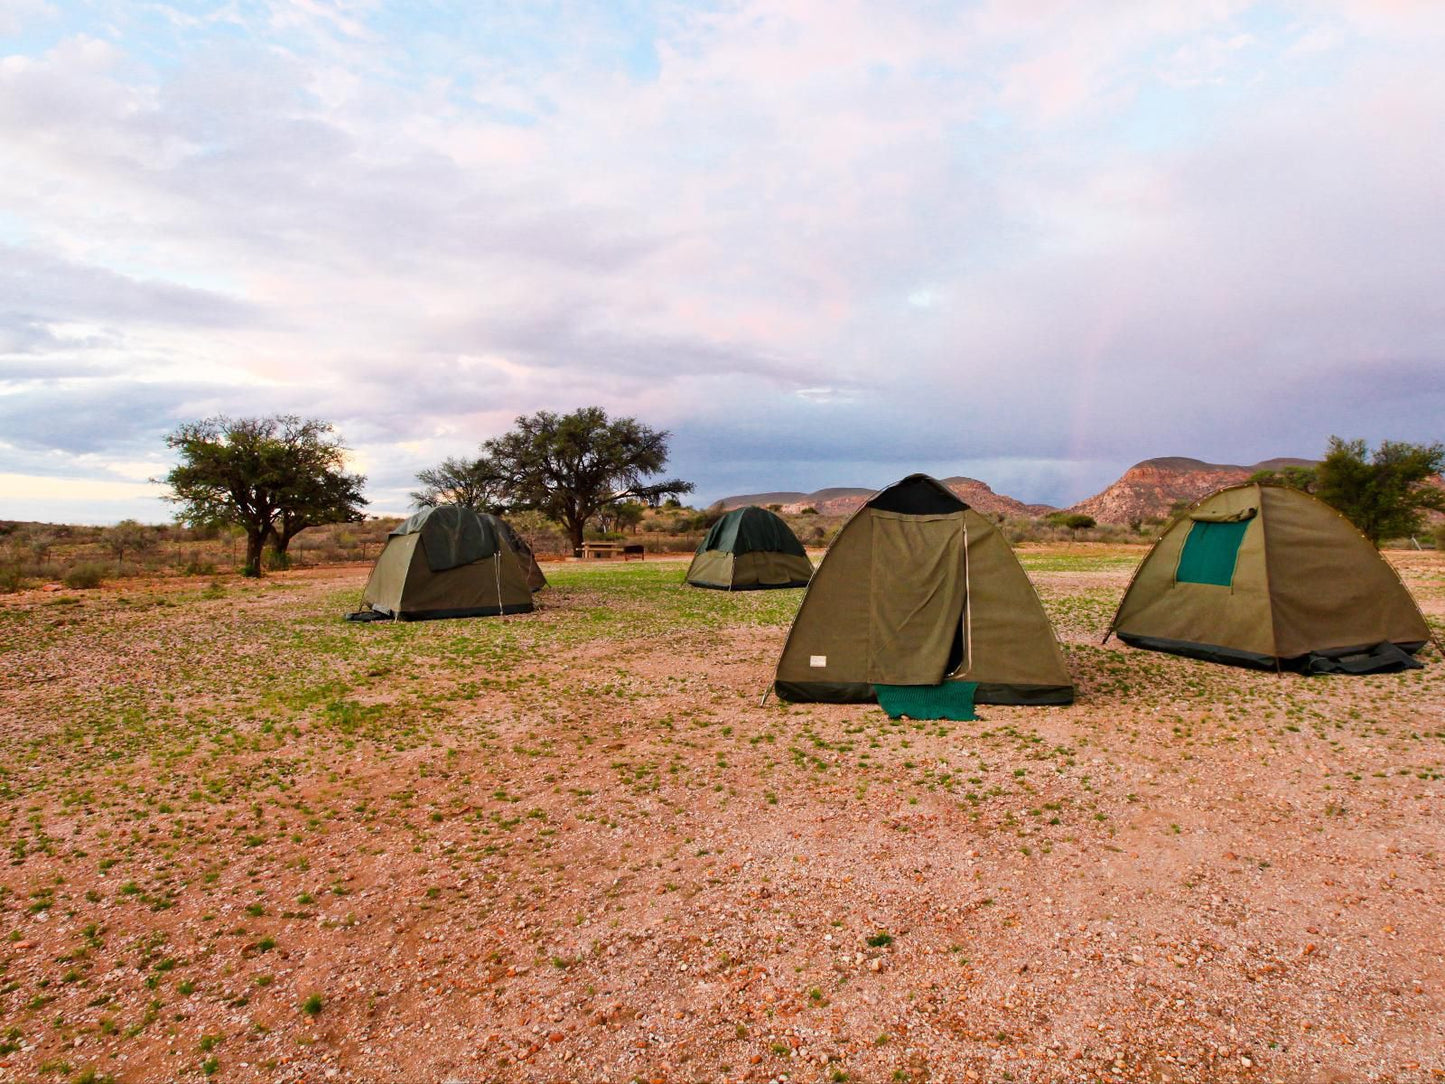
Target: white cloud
<point>19,15</point>
<point>811,211</point>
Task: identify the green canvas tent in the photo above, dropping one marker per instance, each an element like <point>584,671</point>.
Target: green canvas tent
<point>535,578</point>
<point>920,590</point>
<point>450,561</point>
<point>1260,575</point>
<point>747,550</point>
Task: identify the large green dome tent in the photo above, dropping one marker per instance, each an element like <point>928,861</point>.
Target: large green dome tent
<point>1265,576</point>
<point>920,596</point>
<point>450,561</point>
<point>747,550</point>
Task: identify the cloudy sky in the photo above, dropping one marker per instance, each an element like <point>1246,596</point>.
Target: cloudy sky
<point>823,242</point>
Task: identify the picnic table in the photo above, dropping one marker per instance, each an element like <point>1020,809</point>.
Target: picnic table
<point>606,551</point>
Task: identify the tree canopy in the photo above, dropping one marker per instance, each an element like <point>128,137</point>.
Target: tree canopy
<point>472,483</point>
<point>1385,492</point>
<point>568,467</point>
<point>272,477</point>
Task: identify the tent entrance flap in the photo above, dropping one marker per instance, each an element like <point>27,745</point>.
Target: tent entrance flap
<point>916,597</point>
<point>1210,550</point>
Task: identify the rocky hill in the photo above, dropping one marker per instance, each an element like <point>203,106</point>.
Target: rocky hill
<point>978,495</point>
<point>1149,490</point>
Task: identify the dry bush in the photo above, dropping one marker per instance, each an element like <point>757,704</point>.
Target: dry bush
<point>11,578</point>
<point>1041,530</point>
<point>86,575</point>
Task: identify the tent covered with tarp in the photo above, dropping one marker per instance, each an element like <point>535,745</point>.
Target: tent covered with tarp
<point>921,605</point>
<point>1265,576</point>
<point>750,549</point>
<point>450,561</point>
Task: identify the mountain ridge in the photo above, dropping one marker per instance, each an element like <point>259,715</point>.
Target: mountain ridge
<point>1149,489</point>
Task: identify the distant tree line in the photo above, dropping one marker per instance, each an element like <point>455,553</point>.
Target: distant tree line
<point>274,476</point>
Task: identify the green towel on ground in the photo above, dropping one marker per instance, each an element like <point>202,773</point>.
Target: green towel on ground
<point>950,700</point>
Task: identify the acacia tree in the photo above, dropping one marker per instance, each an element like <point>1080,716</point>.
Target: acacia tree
<point>1383,492</point>
<point>128,536</point>
<point>472,483</point>
<point>571,466</point>
<point>253,473</point>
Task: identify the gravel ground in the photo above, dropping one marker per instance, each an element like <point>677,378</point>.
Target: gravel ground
<point>248,841</point>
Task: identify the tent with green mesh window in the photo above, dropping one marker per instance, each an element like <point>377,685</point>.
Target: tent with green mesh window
<point>450,561</point>
<point>1265,576</point>
<point>750,549</point>
<point>921,605</point>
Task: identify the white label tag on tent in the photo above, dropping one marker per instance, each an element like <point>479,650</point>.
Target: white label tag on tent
<point>817,660</point>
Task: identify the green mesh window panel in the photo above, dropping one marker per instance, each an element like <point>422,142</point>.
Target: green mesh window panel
<point>1209,553</point>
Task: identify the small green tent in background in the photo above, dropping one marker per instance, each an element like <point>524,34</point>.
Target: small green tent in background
<point>747,550</point>
<point>450,561</point>
<point>921,591</point>
<point>1260,575</point>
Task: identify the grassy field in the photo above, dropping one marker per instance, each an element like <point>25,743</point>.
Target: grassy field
<point>247,840</point>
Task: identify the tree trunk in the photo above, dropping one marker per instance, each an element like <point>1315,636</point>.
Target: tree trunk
<point>255,540</point>
<point>281,536</point>
<point>574,531</point>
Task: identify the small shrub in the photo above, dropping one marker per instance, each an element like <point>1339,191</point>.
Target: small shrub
<point>85,576</point>
<point>11,579</point>
<point>312,1005</point>
<point>197,567</point>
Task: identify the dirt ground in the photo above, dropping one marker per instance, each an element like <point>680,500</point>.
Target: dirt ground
<point>246,840</point>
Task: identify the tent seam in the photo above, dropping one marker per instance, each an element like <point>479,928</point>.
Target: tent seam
<point>1268,584</point>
